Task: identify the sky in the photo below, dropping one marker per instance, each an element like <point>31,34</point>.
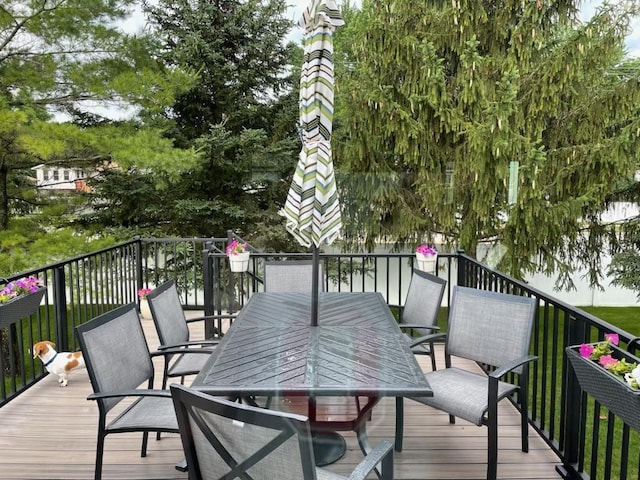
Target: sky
<point>587,10</point>
<point>136,23</point>
<point>295,13</point>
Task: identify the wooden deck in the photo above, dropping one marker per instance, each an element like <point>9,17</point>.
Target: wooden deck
<point>49,433</point>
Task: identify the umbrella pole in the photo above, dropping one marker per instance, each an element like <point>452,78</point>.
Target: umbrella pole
<point>315,287</point>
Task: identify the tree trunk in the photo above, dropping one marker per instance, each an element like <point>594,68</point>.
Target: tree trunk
<point>4,200</point>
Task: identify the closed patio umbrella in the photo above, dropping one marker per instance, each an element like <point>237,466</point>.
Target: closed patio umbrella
<point>312,208</point>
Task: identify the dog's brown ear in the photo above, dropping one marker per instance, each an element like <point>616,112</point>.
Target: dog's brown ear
<point>36,350</point>
<point>48,342</point>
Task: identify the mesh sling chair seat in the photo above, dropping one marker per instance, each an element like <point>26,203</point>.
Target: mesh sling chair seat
<point>291,276</point>
<point>494,330</point>
<point>173,331</point>
<point>420,315</point>
<point>223,439</point>
<point>118,362</point>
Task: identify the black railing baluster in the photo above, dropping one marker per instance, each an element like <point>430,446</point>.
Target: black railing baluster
<point>60,308</point>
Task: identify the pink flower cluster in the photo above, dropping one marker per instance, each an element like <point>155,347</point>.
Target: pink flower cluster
<point>20,287</point>
<point>143,292</point>
<point>607,361</point>
<point>426,250</point>
<point>235,248</point>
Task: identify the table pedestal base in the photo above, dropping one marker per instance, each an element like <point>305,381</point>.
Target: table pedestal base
<point>328,447</point>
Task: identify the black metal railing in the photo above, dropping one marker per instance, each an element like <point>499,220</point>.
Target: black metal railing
<point>386,273</point>
<point>590,441</point>
<point>568,420</point>
<point>86,286</point>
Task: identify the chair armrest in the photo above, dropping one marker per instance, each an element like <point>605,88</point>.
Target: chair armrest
<point>427,339</point>
<point>408,326</point>
<point>211,317</point>
<point>191,343</point>
<point>499,372</point>
<point>172,350</point>
<point>383,452</point>
<point>130,393</point>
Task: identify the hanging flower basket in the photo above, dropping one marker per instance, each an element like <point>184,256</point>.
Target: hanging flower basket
<point>20,307</point>
<point>610,390</point>
<point>426,258</point>
<point>238,256</point>
<point>239,262</point>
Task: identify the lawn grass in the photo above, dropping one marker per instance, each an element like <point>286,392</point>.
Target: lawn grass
<point>626,318</point>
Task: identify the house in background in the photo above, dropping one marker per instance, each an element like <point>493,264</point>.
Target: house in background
<point>54,179</point>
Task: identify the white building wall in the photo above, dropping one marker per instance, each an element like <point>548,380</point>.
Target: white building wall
<point>58,178</point>
<point>584,295</point>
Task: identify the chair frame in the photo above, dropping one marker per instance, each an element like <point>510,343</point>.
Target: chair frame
<point>289,425</point>
<point>417,345</point>
<point>186,347</point>
<point>518,366</point>
<point>104,399</point>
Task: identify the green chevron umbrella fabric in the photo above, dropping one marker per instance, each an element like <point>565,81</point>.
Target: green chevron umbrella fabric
<point>312,207</point>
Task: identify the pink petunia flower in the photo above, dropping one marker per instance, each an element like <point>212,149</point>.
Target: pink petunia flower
<point>607,361</point>
<point>143,292</point>
<point>612,337</point>
<point>586,350</point>
<point>426,250</point>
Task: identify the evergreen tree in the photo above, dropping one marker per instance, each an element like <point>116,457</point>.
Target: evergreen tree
<point>439,98</point>
<point>241,115</point>
<point>57,60</point>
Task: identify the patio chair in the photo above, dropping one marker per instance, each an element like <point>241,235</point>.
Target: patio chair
<point>173,332</point>
<point>420,312</point>
<point>291,276</point>
<point>118,362</point>
<point>223,439</point>
<point>494,330</point>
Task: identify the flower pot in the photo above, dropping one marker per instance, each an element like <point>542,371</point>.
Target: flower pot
<point>20,307</point>
<point>145,311</point>
<point>426,263</point>
<point>608,389</point>
<point>239,262</point>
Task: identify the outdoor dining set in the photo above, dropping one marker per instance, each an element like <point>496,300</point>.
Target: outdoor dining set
<point>293,340</point>
<point>229,419</point>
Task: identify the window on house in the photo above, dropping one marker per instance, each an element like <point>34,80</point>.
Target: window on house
<point>56,175</point>
<point>67,175</point>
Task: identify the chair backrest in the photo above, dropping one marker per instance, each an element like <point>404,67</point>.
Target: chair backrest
<point>489,327</point>
<point>115,352</point>
<point>220,437</point>
<point>423,301</point>
<point>291,276</point>
<point>168,315</point>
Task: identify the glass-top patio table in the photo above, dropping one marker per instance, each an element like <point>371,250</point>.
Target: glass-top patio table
<point>357,349</point>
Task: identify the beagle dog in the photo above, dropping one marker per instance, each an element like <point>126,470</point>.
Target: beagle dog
<point>57,363</point>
